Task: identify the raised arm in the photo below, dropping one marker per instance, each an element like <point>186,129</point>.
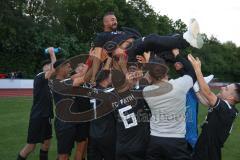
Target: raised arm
<point>204,88</point>
<point>49,73</point>
<point>96,61</point>
<point>78,81</point>
<point>108,64</point>
<point>202,99</point>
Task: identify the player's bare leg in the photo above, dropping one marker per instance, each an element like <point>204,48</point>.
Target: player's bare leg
<point>63,157</point>
<point>80,150</point>
<point>28,148</point>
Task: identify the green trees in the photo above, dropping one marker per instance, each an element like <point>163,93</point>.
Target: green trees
<point>220,59</point>
<point>27,27</point>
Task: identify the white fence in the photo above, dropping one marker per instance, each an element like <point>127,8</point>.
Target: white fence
<point>16,83</point>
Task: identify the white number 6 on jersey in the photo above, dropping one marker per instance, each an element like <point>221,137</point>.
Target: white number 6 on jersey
<point>125,118</point>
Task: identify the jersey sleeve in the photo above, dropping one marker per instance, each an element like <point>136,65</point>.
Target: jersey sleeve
<point>221,105</point>
<point>40,78</point>
<point>225,111</point>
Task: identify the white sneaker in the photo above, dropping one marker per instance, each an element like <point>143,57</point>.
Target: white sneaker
<point>193,36</point>
<point>207,80</point>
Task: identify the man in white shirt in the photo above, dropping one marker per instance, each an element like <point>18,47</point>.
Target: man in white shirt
<point>167,101</point>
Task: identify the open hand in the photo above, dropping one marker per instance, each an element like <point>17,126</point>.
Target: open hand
<point>196,63</point>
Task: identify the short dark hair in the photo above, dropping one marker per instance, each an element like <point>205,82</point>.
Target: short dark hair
<point>60,62</point>
<point>237,85</point>
<point>102,75</point>
<point>108,13</point>
<point>47,61</point>
<point>158,71</point>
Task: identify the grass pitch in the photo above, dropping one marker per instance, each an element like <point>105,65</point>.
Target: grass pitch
<point>14,116</point>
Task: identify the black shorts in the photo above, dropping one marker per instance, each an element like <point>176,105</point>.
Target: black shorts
<point>207,149</point>
<point>67,137</point>
<point>82,130</point>
<point>137,155</point>
<point>168,148</point>
<point>102,148</point>
<point>39,129</point>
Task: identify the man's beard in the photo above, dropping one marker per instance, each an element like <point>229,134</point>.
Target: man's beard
<point>114,27</point>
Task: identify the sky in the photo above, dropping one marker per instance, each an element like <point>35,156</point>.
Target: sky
<point>220,18</point>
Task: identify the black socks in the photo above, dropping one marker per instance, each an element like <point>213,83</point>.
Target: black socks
<point>43,155</point>
<point>20,157</point>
